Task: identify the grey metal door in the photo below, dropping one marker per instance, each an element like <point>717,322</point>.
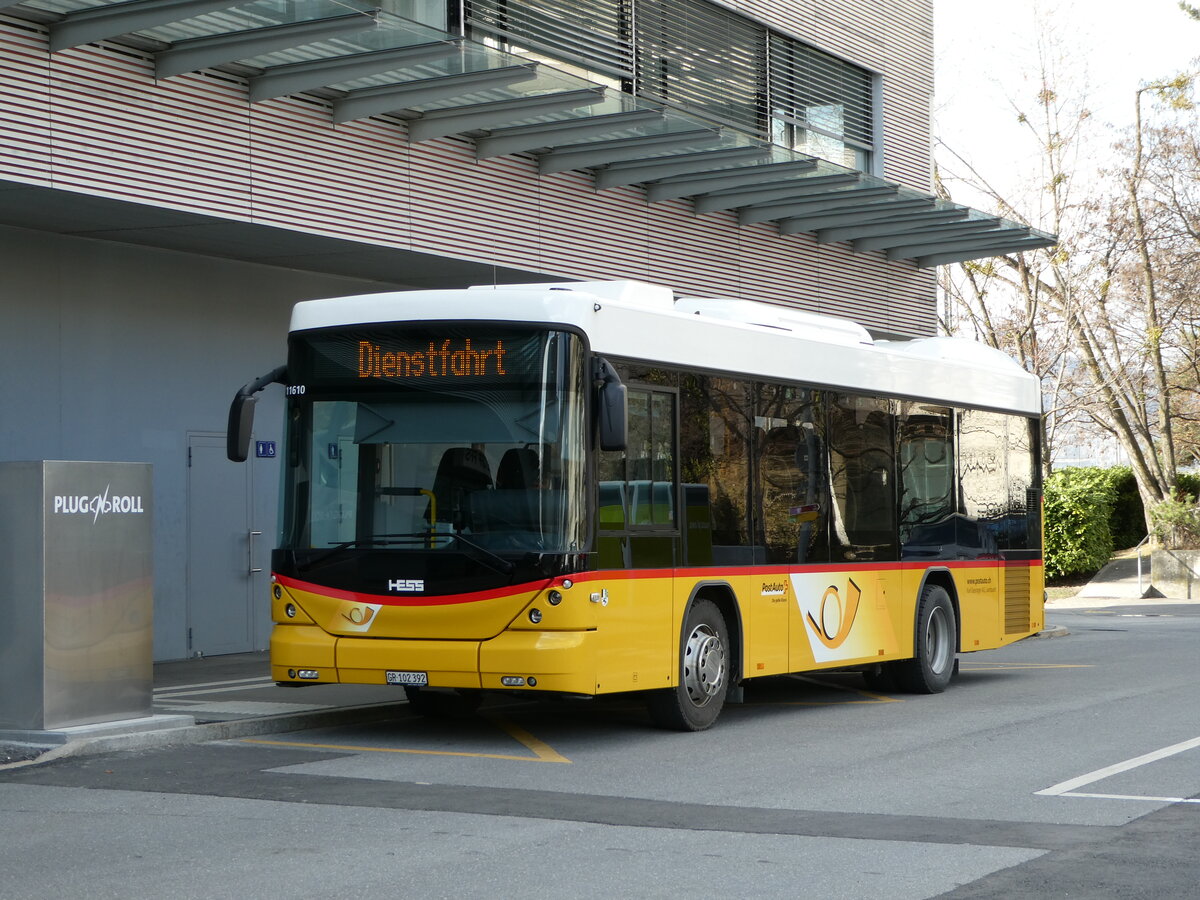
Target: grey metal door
<point>223,550</point>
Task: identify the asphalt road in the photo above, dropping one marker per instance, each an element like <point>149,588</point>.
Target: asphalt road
<point>1063,767</point>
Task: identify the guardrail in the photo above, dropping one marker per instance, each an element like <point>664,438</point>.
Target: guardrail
<point>1141,592</point>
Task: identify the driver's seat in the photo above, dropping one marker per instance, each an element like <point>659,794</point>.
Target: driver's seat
<point>461,471</point>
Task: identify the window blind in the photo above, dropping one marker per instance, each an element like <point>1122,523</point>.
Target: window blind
<point>594,34</point>
<point>820,90</point>
<point>704,58</point>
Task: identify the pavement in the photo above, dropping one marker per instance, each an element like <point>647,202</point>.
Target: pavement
<point>225,697</point>
<point>1118,584</point>
<point>213,698</point>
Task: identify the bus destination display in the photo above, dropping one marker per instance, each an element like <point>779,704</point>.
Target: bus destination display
<point>452,359</point>
<point>419,357</point>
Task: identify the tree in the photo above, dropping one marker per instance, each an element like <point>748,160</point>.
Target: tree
<point>1110,318</point>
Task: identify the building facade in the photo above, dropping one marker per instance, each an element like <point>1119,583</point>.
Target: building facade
<point>175,174</point>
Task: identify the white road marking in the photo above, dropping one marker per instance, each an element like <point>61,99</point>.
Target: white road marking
<point>190,690</point>
<point>1067,787</point>
<point>241,708</point>
<point>1131,797</point>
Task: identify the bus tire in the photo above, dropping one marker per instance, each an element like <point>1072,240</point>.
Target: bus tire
<point>934,646</point>
<point>442,704</point>
<point>703,678</point>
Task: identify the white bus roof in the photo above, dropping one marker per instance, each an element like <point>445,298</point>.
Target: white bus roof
<point>647,322</point>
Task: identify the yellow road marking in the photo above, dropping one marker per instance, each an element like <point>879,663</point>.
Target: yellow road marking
<point>542,751</point>
<point>968,667</point>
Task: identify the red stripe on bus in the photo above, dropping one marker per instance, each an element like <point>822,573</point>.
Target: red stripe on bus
<point>705,573</point>
<point>391,600</point>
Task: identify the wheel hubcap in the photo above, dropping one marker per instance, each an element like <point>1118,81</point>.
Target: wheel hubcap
<point>703,665</point>
<point>937,640</point>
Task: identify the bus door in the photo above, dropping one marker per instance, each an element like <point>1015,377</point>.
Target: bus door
<point>638,543</point>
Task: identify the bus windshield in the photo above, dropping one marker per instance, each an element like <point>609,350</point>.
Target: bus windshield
<point>444,439</point>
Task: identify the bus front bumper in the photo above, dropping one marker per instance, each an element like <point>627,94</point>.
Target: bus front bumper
<point>556,661</point>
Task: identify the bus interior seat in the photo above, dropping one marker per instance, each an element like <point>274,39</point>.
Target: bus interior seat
<point>461,471</point>
<point>518,469</point>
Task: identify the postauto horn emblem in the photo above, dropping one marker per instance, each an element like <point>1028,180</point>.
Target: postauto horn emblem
<point>836,615</point>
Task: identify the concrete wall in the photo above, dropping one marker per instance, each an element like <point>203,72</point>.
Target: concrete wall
<point>114,352</point>
<point>1175,574</point>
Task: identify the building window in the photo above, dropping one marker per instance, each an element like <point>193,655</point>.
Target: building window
<point>820,105</point>
<point>697,56</point>
<point>433,13</point>
<point>592,38</point>
<point>703,58</point>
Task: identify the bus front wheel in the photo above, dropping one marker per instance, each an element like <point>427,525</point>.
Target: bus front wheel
<point>703,678</point>
<point>935,646</point>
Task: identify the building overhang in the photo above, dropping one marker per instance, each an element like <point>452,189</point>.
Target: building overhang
<point>366,62</point>
<point>81,215</point>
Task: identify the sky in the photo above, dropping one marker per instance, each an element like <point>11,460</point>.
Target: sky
<point>986,58</point>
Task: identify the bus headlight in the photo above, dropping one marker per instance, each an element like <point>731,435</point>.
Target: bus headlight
<point>535,616</point>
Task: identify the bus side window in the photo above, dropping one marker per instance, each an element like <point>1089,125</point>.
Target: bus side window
<point>790,488</point>
<point>862,476</point>
<point>714,457</point>
<point>983,482</point>
<point>928,527</point>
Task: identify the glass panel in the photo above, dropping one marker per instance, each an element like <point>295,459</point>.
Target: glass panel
<point>637,486</point>
<point>428,12</point>
<point>792,134</point>
<point>699,56</point>
<point>662,510</point>
<point>928,526</point>
<point>791,488</point>
<point>484,443</point>
<point>714,437</point>
<point>983,479</point>
<point>1023,527</point>
<point>821,91</point>
<point>613,501</point>
<point>593,35</point>
<point>651,458</point>
<point>862,478</point>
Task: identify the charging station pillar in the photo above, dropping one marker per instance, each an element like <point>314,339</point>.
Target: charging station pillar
<point>76,593</point>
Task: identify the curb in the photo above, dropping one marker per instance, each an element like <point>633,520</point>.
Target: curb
<point>214,731</point>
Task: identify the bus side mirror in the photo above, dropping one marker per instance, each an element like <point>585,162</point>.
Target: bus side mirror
<point>241,414</point>
<point>241,425</point>
<point>612,408</point>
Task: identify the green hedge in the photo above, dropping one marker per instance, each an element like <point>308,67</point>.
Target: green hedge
<point>1127,521</point>
<point>1091,512</point>
<point>1079,507</point>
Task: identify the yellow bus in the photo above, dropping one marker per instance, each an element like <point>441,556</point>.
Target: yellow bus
<point>600,487</point>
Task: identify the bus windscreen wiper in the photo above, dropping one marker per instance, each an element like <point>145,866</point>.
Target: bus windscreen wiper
<point>475,551</point>
<point>379,539</point>
<point>485,556</point>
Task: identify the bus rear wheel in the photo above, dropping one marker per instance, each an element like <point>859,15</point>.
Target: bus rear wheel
<point>703,678</point>
<point>935,646</point>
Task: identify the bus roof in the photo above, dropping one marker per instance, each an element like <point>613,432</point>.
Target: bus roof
<point>647,322</point>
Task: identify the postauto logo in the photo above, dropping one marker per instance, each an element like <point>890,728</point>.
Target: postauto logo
<point>98,505</point>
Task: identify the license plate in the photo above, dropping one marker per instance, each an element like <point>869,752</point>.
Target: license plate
<point>420,678</point>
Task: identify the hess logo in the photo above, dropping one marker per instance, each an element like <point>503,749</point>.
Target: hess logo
<point>836,615</point>
<point>406,585</point>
